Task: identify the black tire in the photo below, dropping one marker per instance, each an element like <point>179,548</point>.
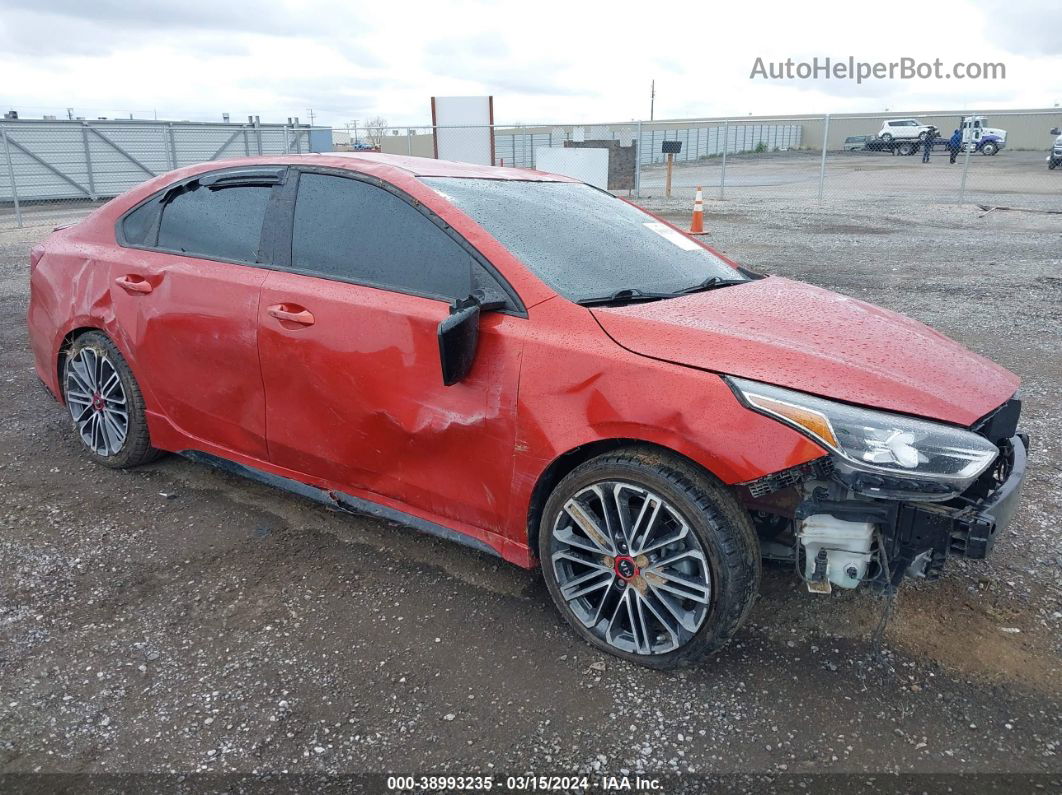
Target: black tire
<point>989,149</point>
<point>1053,164</point>
<point>136,448</point>
<point>906,149</point>
<point>722,527</point>
<point>923,135</point>
<point>886,137</point>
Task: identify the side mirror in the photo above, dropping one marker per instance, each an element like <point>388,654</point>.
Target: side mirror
<point>1056,131</point>
<point>458,339</point>
<point>459,336</point>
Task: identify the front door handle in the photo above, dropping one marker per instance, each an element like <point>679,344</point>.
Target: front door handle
<point>133,284</point>
<point>291,313</point>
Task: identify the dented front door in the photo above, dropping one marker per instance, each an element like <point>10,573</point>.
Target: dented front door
<point>354,396</point>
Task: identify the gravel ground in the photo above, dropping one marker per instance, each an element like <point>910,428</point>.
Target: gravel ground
<point>177,619</point>
<point>1008,179</point>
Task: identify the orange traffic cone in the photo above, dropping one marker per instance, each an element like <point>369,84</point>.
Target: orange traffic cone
<point>697,224</point>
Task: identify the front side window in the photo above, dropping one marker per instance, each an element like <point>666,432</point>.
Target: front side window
<point>583,242</point>
<point>353,230</point>
<point>216,222</point>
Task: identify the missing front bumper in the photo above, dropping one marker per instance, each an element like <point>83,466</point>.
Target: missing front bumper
<point>916,538</point>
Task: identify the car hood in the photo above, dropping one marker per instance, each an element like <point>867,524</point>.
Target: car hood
<point>802,337</point>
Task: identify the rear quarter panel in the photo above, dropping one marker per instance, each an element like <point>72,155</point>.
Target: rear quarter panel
<point>69,289</point>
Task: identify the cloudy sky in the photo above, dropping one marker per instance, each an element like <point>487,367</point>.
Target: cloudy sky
<point>553,62</point>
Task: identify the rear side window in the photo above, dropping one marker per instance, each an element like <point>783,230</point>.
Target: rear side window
<point>140,227</point>
<point>352,230</point>
<point>223,222</point>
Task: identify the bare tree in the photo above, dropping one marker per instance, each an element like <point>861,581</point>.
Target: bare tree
<point>375,130</point>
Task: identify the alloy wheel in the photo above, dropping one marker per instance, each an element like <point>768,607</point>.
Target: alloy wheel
<point>630,568</point>
<point>97,401</point>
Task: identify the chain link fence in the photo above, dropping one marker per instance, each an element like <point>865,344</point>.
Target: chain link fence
<point>54,171</point>
<point>1001,159</point>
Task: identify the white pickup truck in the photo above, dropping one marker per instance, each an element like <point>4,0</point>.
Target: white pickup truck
<point>1054,158</point>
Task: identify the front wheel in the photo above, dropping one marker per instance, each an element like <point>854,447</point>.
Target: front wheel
<point>105,403</point>
<point>1053,164</point>
<point>989,149</point>
<point>649,558</point>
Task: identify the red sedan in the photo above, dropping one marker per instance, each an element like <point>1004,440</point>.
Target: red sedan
<point>534,367</point>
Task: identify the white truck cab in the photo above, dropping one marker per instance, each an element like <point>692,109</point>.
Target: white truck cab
<point>1054,158</point>
<point>974,128</point>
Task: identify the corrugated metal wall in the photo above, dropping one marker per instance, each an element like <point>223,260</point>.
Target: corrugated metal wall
<point>100,159</point>
<point>516,148</point>
<point>1026,129</point>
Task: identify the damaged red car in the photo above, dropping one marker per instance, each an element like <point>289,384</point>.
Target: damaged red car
<point>534,367</point>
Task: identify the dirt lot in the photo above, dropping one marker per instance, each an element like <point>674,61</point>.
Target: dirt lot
<point>176,619</point>
<point>1010,178</point>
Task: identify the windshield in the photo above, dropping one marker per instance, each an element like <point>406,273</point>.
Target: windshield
<point>583,242</point>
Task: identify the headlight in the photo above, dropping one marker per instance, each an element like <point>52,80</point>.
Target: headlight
<point>886,455</point>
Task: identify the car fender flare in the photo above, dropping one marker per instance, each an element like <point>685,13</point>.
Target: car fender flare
<point>82,325</point>
<point>565,462</point>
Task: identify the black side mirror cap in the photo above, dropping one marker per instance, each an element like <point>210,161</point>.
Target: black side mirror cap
<point>459,335</point>
<point>458,339</point>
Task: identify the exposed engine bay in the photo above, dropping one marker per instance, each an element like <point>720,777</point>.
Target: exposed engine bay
<point>826,521</point>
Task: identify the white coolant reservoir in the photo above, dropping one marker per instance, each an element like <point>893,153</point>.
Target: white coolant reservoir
<point>835,551</point>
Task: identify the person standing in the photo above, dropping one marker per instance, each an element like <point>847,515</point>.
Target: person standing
<point>927,144</point>
<point>953,145</point>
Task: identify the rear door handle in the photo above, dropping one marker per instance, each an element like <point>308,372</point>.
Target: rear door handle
<point>133,283</point>
<point>291,313</point>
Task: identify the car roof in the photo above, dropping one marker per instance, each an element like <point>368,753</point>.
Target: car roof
<point>375,161</point>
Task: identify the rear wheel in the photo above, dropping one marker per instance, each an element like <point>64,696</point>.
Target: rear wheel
<point>105,403</point>
<point>649,558</point>
<point>906,149</point>
<point>886,137</point>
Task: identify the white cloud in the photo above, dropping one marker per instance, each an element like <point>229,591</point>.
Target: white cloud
<point>578,62</point>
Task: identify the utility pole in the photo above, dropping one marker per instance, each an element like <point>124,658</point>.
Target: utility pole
<point>310,111</point>
<point>354,140</point>
<point>652,98</point>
